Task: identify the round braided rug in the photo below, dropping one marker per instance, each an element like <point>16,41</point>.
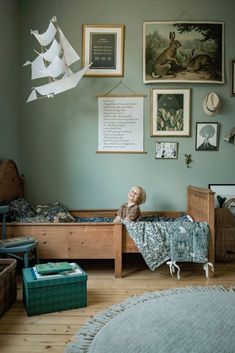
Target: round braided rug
<point>184,320</point>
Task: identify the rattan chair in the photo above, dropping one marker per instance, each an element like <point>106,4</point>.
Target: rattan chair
<point>24,252</point>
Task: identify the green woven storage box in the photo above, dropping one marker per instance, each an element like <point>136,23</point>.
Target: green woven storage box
<point>53,294</point>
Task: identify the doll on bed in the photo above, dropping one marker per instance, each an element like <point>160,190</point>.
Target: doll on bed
<point>130,210</point>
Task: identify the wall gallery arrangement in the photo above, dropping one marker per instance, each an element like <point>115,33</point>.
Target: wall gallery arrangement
<point>173,52</point>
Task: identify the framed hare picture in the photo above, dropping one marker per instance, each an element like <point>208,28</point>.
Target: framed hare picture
<point>183,51</point>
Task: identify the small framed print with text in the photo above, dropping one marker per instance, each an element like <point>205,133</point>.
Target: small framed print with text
<point>103,49</point>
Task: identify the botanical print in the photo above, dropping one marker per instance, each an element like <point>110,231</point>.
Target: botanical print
<point>170,115</point>
<point>170,112</point>
<point>183,52</point>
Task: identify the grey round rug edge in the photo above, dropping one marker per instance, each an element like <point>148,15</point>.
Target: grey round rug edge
<point>88,333</point>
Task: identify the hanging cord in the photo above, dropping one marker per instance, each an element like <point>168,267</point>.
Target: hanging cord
<point>121,83</point>
<point>185,15</point>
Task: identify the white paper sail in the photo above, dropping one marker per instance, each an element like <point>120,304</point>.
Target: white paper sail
<point>37,67</point>
<point>54,50</point>
<point>53,62</point>
<point>70,54</point>
<point>56,68</point>
<point>45,38</point>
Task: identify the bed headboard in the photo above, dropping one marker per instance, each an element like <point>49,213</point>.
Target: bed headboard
<point>11,184</point>
<point>200,206</point>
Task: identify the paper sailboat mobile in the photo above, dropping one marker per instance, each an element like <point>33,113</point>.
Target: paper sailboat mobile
<point>53,62</point>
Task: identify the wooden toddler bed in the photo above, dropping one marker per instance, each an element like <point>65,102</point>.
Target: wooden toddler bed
<point>94,240</point>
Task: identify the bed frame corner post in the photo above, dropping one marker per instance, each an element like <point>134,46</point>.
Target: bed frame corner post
<point>211,222</point>
<point>118,249</point>
<point>200,206</point>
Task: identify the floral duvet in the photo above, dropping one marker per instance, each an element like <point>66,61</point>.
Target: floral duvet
<point>179,241</point>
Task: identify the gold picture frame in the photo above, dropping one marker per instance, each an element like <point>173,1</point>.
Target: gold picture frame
<point>103,49</point>
<point>232,93</point>
<point>170,112</point>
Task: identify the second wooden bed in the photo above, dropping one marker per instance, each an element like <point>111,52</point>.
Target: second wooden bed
<point>94,240</point>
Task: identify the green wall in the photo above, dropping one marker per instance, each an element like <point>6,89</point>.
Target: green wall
<point>9,81</point>
<point>59,136</point>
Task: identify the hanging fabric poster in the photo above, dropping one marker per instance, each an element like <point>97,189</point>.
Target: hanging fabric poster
<point>121,124</point>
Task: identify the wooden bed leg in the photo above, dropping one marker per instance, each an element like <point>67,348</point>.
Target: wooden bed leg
<point>211,255</point>
<point>118,250</point>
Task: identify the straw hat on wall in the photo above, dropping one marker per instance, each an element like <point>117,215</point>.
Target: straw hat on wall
<point>211,104</point>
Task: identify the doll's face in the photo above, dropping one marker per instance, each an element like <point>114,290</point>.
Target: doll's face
<point>134,195</point>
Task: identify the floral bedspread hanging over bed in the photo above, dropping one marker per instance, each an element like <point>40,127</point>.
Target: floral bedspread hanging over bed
<point>159,242</point>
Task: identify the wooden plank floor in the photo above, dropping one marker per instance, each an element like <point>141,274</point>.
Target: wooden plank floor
<point>52,332</point>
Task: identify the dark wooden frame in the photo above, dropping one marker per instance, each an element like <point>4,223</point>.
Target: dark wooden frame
<point>197,148</point>
<point>232,78</point>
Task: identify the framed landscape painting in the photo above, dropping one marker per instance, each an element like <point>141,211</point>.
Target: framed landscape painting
<point>183,51</point>
<point>170,112</point>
